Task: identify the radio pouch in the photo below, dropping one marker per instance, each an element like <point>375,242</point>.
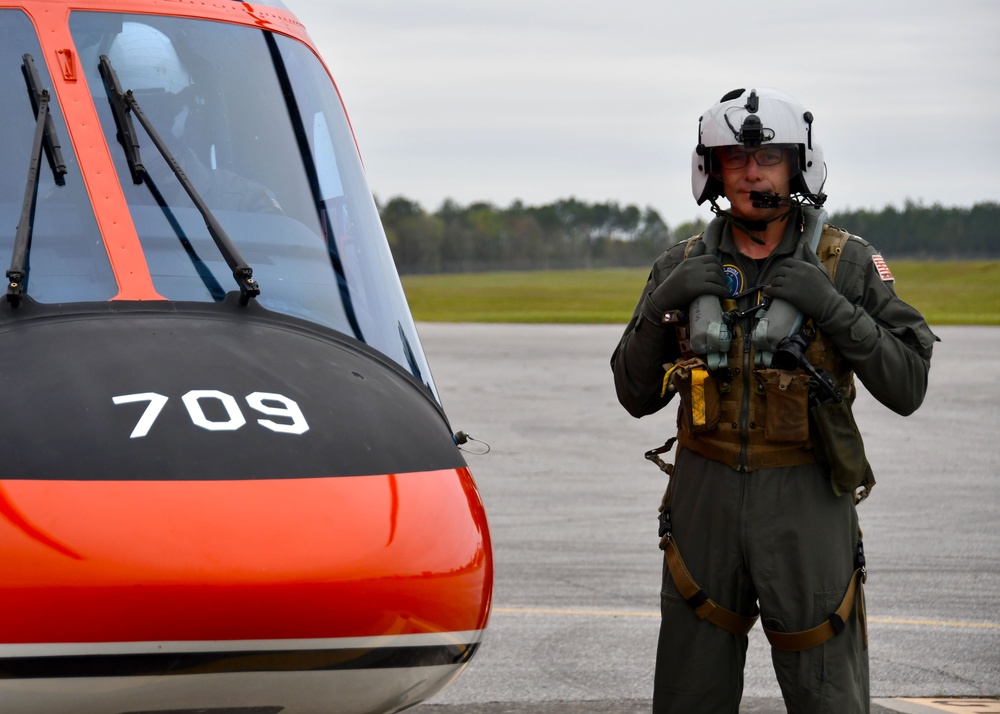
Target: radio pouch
<point>840,449</point>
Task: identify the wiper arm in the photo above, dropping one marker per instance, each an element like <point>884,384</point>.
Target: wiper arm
<point>123,102</point>
<point>45,140</point>
<point>130,143</point>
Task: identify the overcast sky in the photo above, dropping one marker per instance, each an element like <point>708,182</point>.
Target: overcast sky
<point>539,100</point>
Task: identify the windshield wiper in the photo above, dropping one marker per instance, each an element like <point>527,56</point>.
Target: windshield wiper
<point>50,140</point>
<point>123,102</point>
<point>45,140</point>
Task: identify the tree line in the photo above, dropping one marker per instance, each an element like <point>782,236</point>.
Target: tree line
<point>570,234</point>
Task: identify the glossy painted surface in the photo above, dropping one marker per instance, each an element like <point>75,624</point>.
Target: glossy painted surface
<point>208,505</point>
<point>243,560</point>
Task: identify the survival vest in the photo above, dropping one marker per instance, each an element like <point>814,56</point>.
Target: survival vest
<point>751,416</point>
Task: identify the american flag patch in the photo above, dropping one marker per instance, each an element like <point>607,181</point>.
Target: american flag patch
<point>882,268</point>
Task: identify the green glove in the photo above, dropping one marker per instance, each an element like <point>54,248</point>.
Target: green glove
<point>809,288</point>
<point>693,277</point>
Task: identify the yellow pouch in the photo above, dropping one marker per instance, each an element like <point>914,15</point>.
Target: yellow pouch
<point>699,392</point>
<point>698,416</point>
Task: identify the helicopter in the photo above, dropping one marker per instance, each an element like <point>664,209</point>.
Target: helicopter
<point>229,484</point>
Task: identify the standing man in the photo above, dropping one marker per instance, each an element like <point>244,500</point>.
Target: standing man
<point>760,324</point>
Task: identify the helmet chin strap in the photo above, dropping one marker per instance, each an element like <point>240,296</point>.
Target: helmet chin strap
<point>749,226</point>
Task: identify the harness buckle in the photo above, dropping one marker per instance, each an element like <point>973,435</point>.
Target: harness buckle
<point>665,528</point>
<point>837,623</point>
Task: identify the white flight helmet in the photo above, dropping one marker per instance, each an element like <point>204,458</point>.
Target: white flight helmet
<point>764,116</point>
<point>145,59</point>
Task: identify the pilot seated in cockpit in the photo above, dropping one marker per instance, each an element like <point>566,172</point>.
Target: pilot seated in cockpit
<point>147,64</point>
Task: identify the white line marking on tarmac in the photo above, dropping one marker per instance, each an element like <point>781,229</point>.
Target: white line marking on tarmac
<point>585,612</point>
<point>958,705</point>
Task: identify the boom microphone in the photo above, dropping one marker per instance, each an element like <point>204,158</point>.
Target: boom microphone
<point>762,199</point>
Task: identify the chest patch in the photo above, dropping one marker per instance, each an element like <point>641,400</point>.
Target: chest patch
<point>882,268</point>
<point>734,279</point>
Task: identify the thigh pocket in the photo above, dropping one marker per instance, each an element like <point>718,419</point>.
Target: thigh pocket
<point>822,657</point>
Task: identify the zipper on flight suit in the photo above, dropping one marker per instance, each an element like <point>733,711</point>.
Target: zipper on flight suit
<point>746,326</point>
<point>745,374</point>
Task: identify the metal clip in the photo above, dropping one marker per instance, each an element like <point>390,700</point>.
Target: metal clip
<point>673,317</point>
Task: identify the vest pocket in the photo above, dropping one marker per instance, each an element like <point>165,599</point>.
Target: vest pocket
<point>786,396</point>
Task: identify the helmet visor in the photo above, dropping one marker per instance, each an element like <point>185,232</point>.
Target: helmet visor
<point>736,156</point>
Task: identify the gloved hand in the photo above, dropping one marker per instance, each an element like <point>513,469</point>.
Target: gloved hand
<point>809,288</point>
<point>696,275</point>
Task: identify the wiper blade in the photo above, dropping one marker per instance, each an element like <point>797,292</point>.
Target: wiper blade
<point>53,150</point>
<point>46,140</point>
<point>122,104</point>
<point>126,129</point>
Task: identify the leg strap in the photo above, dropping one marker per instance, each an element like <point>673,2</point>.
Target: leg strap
<point>704,607</point>
<point>834,625</point>
<point>707,609</point>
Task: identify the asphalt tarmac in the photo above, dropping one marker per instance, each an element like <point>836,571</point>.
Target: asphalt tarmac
<point>572,510</point>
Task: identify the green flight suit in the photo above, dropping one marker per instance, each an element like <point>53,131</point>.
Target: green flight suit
<point>777,539</point>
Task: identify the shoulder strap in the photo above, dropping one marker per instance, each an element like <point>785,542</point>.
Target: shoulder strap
<point>831,247</point>
<point>691,242</point>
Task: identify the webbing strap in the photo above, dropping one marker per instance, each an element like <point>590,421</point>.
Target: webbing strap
<point>704,606</point>
<point>806,639</point>
<point>707,609</point>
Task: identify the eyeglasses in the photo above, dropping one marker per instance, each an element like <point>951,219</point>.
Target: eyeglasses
<point>736,157</point>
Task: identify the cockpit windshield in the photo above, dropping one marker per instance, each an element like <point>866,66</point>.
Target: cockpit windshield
<point>67,259</point>
<point>253,120</point>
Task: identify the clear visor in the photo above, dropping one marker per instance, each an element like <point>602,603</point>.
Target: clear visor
<point>737,157</point>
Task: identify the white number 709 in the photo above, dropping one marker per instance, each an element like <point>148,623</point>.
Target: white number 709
<point>267,403</point>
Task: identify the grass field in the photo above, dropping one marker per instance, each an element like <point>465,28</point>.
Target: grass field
<point>946,292</point>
